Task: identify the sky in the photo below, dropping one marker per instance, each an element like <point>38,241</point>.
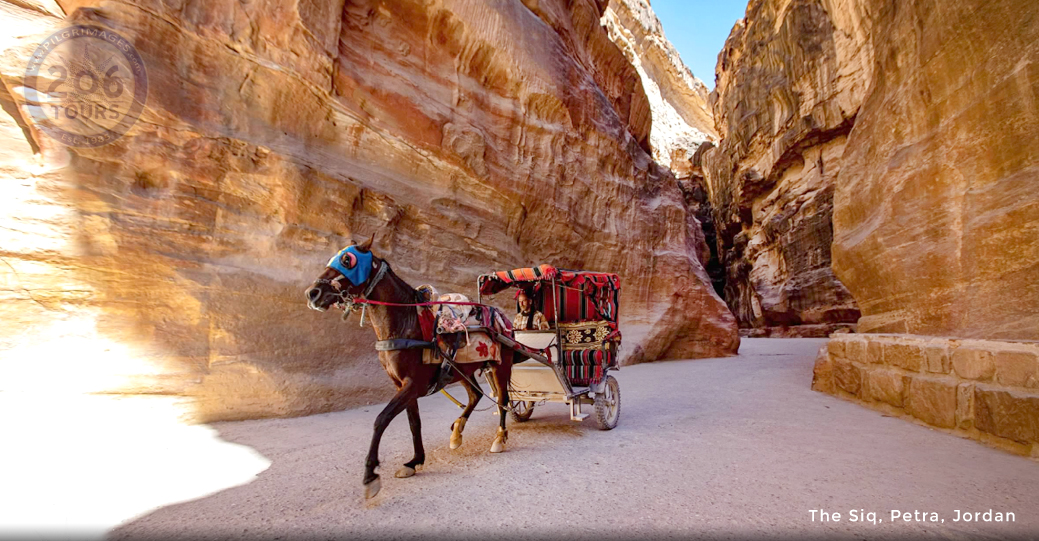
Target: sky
<point>698,28</point>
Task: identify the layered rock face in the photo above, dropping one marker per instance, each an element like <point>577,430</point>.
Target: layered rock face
<point>936,213</point>
<point>682,119</point>
<point>789,85</point>
<point>916,126</point>
<point>466,136</point>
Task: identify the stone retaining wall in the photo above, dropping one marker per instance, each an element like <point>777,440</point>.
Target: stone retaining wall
<point>981,389</point>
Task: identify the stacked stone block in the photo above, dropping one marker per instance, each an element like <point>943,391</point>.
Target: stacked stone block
<point>982,389</point>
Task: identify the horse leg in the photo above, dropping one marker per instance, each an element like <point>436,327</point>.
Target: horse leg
<point>415,422</point>
<point>501,375</point>
<point>475,394</point>
<point>404,397</point>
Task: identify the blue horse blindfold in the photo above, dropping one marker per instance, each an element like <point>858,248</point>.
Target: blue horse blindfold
<point>352,263</point>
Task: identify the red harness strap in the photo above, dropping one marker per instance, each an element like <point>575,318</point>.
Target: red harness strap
<point>430,303</point>
<point>426,319</point>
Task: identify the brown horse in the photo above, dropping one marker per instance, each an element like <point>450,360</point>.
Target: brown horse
<point>412,378</point>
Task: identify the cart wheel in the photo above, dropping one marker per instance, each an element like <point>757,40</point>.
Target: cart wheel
<point>608,405</point>
<point>521,411</point>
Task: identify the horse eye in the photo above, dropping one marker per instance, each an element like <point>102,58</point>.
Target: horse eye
<point>348,260</point>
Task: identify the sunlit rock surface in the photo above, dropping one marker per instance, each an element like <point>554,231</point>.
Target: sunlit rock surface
<point>914,127</point>
<point>682,119</point>
<point>936,213</point>
<point>467,136</point>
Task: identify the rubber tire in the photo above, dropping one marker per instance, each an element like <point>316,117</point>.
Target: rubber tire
<point>521,417</point>
<point>602,409</point>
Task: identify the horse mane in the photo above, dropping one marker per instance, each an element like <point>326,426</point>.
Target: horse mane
<point>403,320</point>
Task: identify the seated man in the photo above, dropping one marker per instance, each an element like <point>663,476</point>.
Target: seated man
<point>528,319</point>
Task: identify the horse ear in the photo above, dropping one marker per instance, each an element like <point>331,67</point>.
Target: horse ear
<point>366,246</point>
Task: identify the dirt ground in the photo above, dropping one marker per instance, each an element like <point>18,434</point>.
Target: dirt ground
<point>725,448</point>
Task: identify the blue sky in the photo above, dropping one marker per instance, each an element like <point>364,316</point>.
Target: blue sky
<point>698,28</point>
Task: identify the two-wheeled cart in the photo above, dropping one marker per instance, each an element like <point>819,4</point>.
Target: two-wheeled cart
<point>570,362</point>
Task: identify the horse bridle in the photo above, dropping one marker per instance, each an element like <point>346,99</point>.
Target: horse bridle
<point>347,299</point>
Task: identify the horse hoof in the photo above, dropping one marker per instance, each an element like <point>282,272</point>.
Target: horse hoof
<point>456,432</point>
<point>372,488</point>
<point>405,472</point>
<point>497,446</point>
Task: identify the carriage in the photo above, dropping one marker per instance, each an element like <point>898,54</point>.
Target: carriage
<point>570,362</point>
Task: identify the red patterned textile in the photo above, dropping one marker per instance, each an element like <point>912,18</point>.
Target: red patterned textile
<point>584,297</point>
<point>480,347</point>
<point>493,283</point>
<point>586,366</point>
<point>426,321</point>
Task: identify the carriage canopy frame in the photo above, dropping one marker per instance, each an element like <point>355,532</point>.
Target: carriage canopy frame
<point>575,295</point>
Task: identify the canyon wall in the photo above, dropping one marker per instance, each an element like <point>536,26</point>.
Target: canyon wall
<point>683,123</point>
<point>936,211</point>
<point>876,156</point>
<point>682,119</point>
<point>467,136</point>
<point>894,143</point>
<point>789,84</point>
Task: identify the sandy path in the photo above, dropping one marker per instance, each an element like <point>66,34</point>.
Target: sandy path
<point>721,447</point>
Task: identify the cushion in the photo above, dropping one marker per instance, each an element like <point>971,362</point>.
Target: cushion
<point>586,366</point>
<point>586,334</point>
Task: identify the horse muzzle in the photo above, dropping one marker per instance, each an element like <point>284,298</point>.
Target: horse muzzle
<point>319,300</point>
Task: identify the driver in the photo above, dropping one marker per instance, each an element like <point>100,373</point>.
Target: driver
<point>527,318</point>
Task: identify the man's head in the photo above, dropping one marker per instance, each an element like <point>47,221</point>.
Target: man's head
<point>524,302</point>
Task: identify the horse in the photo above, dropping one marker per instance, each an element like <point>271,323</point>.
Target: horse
<point>356,273</point>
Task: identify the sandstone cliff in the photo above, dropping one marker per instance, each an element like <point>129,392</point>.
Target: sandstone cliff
<point>681,117</point>
<point>788,89</point>
<point>916,125</point>
<point>682,121</point>
<point>467,136</point>
<point>936,213</point>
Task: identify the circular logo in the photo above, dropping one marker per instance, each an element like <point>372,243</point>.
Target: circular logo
<point>85,86</point>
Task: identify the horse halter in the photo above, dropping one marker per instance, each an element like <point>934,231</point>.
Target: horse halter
<point>347,299</point>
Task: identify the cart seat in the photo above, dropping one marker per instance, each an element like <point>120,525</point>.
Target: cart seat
<point>539,340</point>
<point>589,350</point>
